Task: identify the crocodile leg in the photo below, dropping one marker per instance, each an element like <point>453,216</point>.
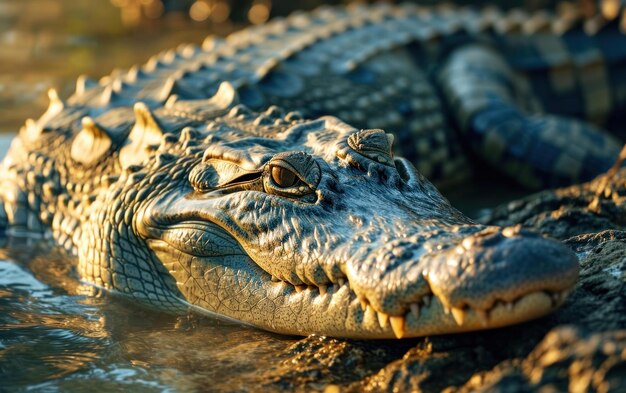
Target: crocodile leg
<point>503,122</point>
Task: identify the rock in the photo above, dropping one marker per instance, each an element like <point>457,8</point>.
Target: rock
<point>566,360</point>
<point>586,208</point>
<point>317,362</point>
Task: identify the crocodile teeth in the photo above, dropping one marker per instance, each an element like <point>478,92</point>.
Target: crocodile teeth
<point>446,309</point>
<point>482,316</point>
<point>363,301</point>
<point>300,288</point>
<point>459,315</point>
<point>275,279</point>
<point>322,289</point>
<point>397,325</point>
<point>341,282</point>
<point>509,306</point>
<point>426,300</point>
<point>382,319</point>
<point>415,310</point>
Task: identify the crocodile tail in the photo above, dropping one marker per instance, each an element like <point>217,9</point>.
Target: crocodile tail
<point>578,73</point>
<point>538,95</point>
<point>503,120</point>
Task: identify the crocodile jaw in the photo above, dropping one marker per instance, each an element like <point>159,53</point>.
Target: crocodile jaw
<point>225,281</point>
<point>236,288</point>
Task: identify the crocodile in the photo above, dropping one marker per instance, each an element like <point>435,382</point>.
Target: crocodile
<point>178,184</point>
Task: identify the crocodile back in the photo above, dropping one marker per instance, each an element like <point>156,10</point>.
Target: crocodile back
<point>370,66</point>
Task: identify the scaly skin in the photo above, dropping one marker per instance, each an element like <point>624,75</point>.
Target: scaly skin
<point>445,82</point>
<point>295,226</point>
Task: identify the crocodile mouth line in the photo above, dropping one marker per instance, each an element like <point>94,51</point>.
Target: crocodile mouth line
<point>416,313</point>
<point>467,315</point>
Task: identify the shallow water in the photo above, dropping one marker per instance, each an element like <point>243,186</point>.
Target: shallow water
<point>58,334</point>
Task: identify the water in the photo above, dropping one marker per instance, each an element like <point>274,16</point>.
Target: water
<point>58,334</point>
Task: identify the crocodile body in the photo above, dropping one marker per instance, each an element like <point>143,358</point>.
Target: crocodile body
<point>171,190</point>
<point>454,86</point>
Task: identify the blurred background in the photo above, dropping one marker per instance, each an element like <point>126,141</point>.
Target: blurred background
<point>48,43</point>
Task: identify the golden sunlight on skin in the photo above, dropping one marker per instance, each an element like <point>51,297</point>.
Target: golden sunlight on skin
<point>253,180</point>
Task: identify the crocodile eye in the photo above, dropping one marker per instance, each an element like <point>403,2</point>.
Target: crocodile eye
<point>283,177</point>
<point>292,175</point>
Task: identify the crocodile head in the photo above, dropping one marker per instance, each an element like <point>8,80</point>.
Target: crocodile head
<point>315,227</point>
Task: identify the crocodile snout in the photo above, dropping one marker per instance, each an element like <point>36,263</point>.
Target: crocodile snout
<point>501,266</point>
<point>491,278</point>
